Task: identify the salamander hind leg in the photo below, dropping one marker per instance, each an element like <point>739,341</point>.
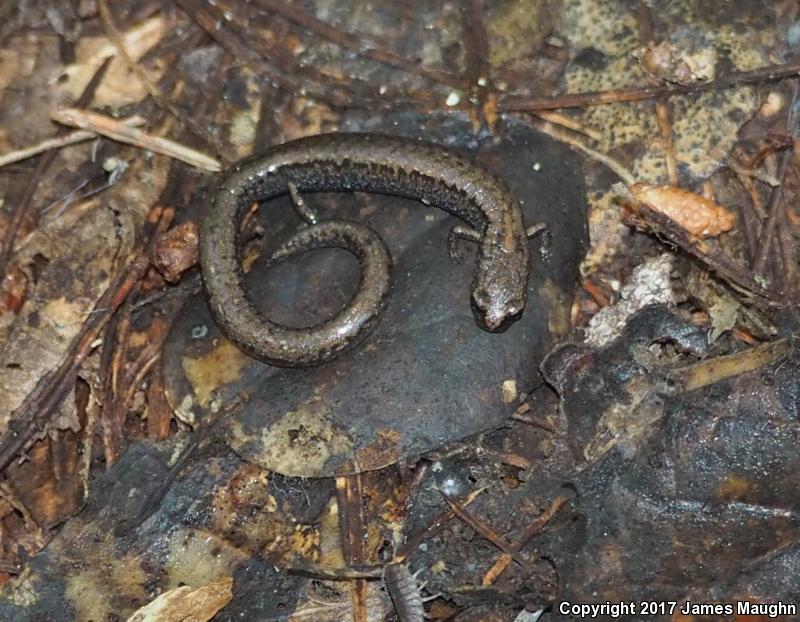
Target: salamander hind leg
<point>460,232</point>
<point>306,213</point>
<point>541,229</point>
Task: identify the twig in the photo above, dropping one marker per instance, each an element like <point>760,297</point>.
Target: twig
<point>87,447</point>
<point>274,64</point>
<point>114,356</point>
<point>116,130</point>
<point>647,32</point>
<point>435,525</point>
<point>119,404</point>
<point>496,539</point>
<point>758,174</point>
<point>523,103</point>
<point>537,423</point>
<point>159,98</point>
<point>72,138</point>
<point>344,573</point>
<point>725,267</point>
<point>350,41</point>
<point>750,212</point>
<point>116,38</point>
<point>510,458</point>
<point>351,518</point>
<point>211,20</point>
<point>108,351</point>
<point>665,127</point>
<point>774,207</point>
<point>142,369</point>
<point>349,501</point>
<point>159,414</point>
<point>127,379</point>
<point>558,118</point>
<point>716,369</point>
<point>476,58</point>
<point>617,167</point>
<point>788,253</point>
<point>534,528</point>
<point>757,202</point>
<point>753,212</point>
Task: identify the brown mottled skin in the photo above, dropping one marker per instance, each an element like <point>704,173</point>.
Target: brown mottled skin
<point>346,163</point>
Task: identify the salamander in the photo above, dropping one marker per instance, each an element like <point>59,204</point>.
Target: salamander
<point>374,163</point>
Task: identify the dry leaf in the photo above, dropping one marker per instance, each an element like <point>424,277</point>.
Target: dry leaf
<point>698,215</point>
<point>118,88</point>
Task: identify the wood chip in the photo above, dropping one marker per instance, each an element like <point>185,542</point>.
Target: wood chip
<point>185,603</point>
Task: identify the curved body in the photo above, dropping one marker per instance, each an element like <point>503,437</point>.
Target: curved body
<point>358,162</point>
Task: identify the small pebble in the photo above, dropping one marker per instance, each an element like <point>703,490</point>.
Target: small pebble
<point>793,34</point>
<point>772,105</point>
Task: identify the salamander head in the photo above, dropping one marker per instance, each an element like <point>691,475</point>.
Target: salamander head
<point>498,302</point>
<point>500,284</point>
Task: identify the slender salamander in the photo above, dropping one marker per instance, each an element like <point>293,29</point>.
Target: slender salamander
<point>347,163</point>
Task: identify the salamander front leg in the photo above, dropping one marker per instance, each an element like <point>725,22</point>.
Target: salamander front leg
<point>305,212</point>
<point>536,230</point>
<point>460,232</point>
<point>543,230</point>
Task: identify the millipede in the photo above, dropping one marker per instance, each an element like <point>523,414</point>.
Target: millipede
<point>404,592</point>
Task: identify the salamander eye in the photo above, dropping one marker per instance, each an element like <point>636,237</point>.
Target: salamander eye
<point>481,298</point>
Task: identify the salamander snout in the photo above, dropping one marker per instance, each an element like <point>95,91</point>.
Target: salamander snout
<point>497,306</point>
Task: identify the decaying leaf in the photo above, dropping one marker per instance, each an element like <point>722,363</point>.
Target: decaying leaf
<point>118,88</point>
<point>723,313</point>
<point>698,215</point>
<point>725,310</point>
<point>77,256</point>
